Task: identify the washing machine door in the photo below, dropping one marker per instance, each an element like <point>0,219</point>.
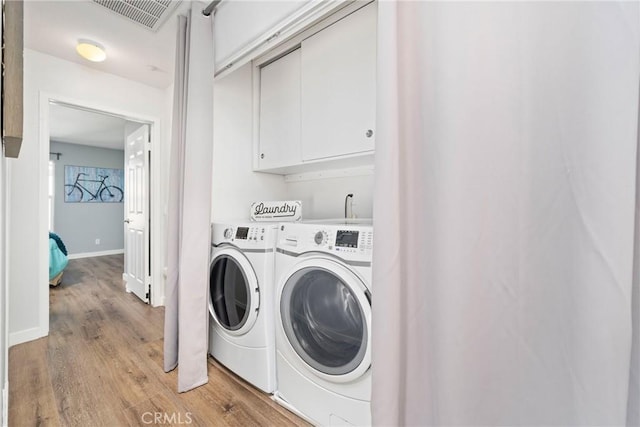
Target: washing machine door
<point>234,298</point>
<point>326,316</point>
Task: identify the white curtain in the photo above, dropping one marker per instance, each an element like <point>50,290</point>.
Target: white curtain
<point>186,314</point>
<point>506,163</point>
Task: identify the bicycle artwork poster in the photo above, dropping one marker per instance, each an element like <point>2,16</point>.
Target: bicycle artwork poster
<point>85,184</point>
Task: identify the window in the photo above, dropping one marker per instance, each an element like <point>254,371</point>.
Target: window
<point>52,180</point>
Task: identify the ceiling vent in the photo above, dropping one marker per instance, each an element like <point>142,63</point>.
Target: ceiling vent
<point>151,14</point>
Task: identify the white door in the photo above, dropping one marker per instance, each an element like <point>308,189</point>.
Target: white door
<point>280,112</point>
<point>136,214</point>
<point>338,84</point>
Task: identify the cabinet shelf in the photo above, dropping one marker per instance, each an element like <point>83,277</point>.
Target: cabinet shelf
<point>341,162</point>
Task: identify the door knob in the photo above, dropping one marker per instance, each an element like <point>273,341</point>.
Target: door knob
<point>127,220</point>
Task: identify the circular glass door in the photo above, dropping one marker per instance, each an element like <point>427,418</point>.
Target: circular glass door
<point>233,292</point>
<point>326,318</point>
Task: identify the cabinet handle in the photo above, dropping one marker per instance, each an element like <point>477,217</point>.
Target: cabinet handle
<point>262,156</point>
<point>369,133</point>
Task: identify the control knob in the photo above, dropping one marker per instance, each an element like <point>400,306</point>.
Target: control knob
<point>320,238</point>
<point>228,233</point>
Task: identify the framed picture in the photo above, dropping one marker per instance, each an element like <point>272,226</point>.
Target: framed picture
<point>84,184</point>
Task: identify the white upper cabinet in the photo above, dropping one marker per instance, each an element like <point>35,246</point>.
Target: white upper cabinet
<point>279,139</point>
<point>339,87</point>
<point>315,96</point>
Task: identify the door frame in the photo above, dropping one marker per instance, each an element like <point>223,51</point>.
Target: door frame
<point>155,206</point>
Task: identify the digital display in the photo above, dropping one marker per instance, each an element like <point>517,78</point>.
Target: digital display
<point>242,232</point>
<point>347,239</point>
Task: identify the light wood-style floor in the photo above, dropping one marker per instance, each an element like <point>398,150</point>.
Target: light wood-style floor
<point>101,365</point>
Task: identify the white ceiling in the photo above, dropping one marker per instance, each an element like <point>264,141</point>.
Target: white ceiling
<point>133,52</point>
<point>53,27</point>
<point>77,126</point>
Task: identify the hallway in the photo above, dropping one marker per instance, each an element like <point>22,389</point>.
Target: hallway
<point>102,365</point>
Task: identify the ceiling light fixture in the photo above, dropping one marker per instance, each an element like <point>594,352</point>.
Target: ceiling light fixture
<point>90,50</point>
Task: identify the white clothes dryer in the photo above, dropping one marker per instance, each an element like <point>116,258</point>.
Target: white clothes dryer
<point>323,321</point>
<point>241,301</point>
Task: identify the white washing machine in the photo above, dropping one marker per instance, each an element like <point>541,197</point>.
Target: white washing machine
<point>241,301</point>
<point>323,321</point>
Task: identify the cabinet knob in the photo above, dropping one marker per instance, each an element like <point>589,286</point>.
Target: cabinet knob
<point>262,156</point>
<point>369,133</point>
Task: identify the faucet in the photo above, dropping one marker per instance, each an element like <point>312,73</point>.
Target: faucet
<point>346,199</point>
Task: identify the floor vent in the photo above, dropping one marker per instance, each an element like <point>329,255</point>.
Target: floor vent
<point>151,14</point>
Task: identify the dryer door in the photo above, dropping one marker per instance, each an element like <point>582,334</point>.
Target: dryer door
<point>326,316</point>
<point>234,298</point>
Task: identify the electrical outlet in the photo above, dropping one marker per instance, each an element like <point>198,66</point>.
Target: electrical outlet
<point>97,241</point>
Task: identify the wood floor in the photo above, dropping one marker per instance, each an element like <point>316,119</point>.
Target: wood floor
<point>101,365</point>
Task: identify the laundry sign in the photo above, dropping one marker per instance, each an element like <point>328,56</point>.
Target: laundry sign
<point>288,210</point>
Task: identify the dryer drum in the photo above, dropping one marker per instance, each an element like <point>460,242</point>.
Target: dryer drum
<point>229,293</point>
<point>324,321</point>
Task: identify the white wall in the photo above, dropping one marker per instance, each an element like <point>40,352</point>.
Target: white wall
<point>4,315</point>
<point>4,312</point>
<point>235,186</point>
<point>46,76</point>
<point>324,198</point>
<point>4,336</point>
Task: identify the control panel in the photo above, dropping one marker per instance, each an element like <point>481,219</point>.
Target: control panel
<point>247,234</point>
<point>244,235</point>
<point>340,241</point>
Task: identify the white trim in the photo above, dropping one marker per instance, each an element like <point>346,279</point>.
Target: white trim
<point>94,254</point>
<point>157,284</point>
<point>5,404</point>
<point>335,173</point>
<point>4,227</point>
<point>4,281</point>
<point>156,251</point>
<point>43,222</point>
<point>19,337</point>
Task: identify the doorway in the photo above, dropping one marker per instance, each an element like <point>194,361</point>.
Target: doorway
<point>103,133</point>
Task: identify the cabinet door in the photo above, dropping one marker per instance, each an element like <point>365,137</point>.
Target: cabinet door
<point>280,112</point>
<point>339,87</point>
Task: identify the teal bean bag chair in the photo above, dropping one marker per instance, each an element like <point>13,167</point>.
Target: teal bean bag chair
<point>57,259</point>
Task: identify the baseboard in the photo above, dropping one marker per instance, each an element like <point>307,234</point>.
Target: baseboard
<point>5,404</point>
<point>94,254</point>
<point>20,337</point>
